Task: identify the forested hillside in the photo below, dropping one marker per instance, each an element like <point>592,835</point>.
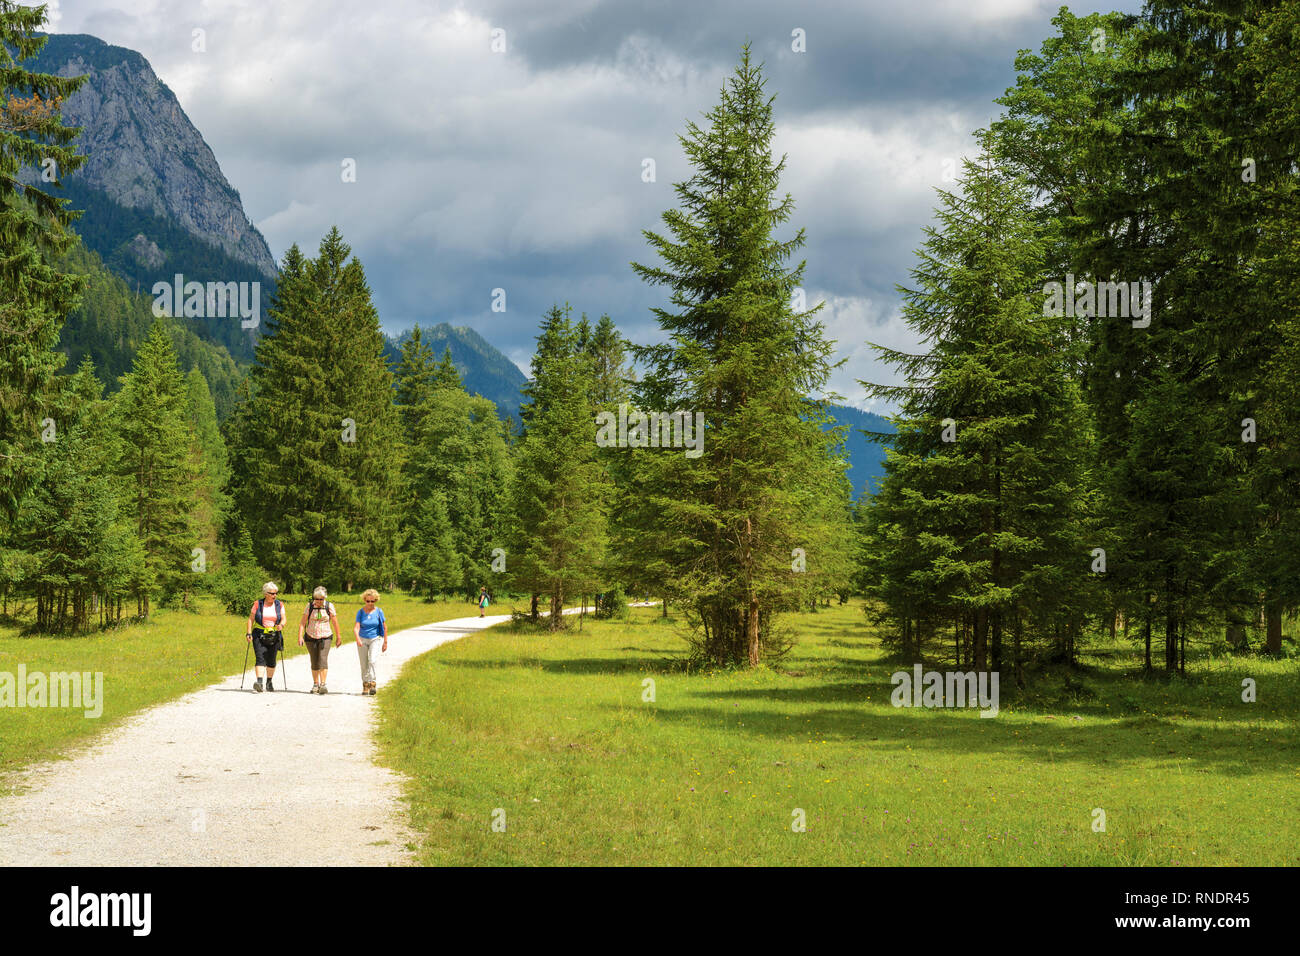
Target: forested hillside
<point>866,457</point>
<point>112,322</point>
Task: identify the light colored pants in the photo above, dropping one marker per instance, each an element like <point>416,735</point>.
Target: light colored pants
<point>368,653</point>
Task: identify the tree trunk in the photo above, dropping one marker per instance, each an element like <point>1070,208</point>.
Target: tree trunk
<point>557,605</point>
<point>981,639</point>
<point>751,632</point>
<point>1273,630</point>
<point>1235,634</point>
<point>1146,633</point>
<point>1016,664</point>
<point>1182,647</point>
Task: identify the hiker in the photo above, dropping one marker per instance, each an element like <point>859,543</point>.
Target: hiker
<point>483,601</point>
<point>320,623</point>
<point>266,637</point>
<point>369,628</point>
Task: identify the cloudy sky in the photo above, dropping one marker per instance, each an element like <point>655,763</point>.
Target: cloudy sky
<point>522,169</point>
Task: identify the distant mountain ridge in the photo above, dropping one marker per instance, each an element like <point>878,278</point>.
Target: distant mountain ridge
<point>866,457</point>
<point>483,368</point>
<point>155,202</point>
<point>144,153</point>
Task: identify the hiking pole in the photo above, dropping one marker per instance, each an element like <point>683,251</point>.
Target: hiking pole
<point>247,645</point>
<point>284,661</point>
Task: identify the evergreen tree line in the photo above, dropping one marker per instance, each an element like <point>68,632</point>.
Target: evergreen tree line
<point>1058,473</point>
<point>1066,472</point>
<point>94,494</point>
<point>333,468</point>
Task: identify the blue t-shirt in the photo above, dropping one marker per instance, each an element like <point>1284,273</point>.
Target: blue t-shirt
<point>370,623</point>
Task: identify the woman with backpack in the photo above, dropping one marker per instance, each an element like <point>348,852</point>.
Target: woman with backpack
<point>370,626</point>
<point>320,624</point>
<point>482,601</point>
<point>265,623</point>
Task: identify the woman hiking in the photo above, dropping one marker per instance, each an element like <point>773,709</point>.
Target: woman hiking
<point>320,623</point>
<point>370,626</point>
<point>265,623</point>
<point>482,601</point>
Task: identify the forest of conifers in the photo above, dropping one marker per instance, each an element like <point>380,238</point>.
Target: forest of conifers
<point>1098,434</point>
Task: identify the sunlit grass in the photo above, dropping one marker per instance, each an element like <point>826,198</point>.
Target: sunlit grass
<point>552,732</point>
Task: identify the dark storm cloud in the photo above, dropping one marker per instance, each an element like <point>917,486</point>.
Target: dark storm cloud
<point>522,170</point>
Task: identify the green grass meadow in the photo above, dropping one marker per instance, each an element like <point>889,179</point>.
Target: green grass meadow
<point>550,735</point>
<point>176,652</point>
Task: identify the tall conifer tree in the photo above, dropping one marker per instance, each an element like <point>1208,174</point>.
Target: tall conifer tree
<point>741,355</point>
<point>149,418</point>
<point>319,438</point>
<point>559,493</point>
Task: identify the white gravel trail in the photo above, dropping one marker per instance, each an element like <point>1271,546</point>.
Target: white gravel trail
<point>224,777</point>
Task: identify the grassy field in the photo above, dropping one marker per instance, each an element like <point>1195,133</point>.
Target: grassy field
<point>145,664</point>
<point>551,735</point>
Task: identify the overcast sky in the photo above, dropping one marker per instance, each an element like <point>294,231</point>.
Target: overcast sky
<point>522,169</point>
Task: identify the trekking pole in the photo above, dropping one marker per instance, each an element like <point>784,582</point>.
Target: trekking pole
<point>284,662</point>
<point>247,645</point>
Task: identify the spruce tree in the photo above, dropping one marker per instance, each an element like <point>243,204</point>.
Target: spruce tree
<point>559,492</point>
<point>1204,174</point>
<point>80,553</point>
<point>445,373</point>
<point>319,436</point>
<point>432,560</point>
<point>1274,466</point>
<point>210,460</point>
<point>34,296</point>
<point>738,353</point>
<point>979,525</point>
<point>415,379</point>
<point>156,460</point>
<point>459,453</point>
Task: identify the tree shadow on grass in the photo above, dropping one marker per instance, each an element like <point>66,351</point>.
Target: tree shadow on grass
<point>576,665</point>
<point>1218,752</point>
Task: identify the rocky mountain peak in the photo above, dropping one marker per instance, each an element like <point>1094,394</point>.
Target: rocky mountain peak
<point>144,153</point>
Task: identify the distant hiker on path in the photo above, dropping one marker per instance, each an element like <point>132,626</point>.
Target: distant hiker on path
<point>482,601</point>
<point>265,622</point>
<point>369,628</point>
<point>321,623</point>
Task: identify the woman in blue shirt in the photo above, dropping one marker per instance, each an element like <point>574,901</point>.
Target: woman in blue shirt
<point>369,628</point>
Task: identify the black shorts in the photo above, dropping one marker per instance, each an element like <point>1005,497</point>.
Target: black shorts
<point>265,646</point>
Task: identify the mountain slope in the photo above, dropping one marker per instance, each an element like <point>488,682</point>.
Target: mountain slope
<point>484,369</point>
<point>112,321</point>
<point>144,153</point>
<point>866,457</point>
<point>155,203</point>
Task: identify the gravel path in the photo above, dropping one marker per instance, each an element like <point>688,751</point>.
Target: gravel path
<point>225,777</point>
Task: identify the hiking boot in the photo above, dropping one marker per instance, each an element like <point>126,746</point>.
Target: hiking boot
<point>315,688</point>
<point>257,686</point>
<point>372,688</point>
<point>322,690</point>
<point>269,684</point>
